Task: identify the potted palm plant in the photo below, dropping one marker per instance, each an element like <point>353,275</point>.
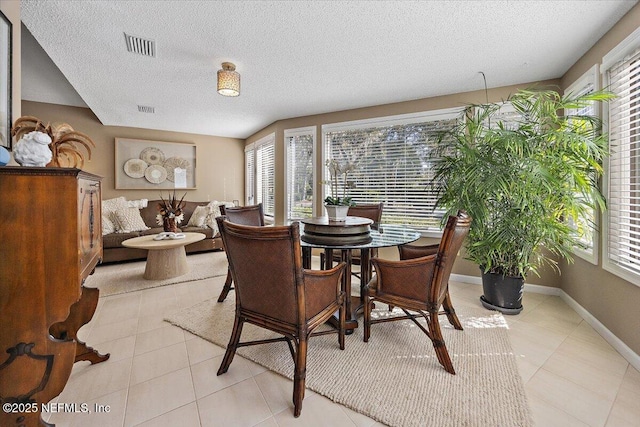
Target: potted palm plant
<point>525,182</point>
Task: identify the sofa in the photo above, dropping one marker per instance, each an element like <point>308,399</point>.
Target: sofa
<point>122,220</point>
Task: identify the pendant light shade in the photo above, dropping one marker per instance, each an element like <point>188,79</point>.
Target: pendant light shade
<point>228,80</point>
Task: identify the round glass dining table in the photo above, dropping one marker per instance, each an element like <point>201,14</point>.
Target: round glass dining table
<point>382,236</point>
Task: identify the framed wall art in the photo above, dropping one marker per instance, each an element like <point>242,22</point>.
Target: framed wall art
<point>154,165</point>
<point>6,51</point>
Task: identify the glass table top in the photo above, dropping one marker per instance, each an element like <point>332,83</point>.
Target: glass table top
<point>385,235</point>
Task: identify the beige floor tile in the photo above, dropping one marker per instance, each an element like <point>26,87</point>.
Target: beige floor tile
<point>586,333</point>
<point>277,391</point>
<point>112,331</point>
<point>151,322</point>
<point>585,405</point>
<point>358,419</point>
<point>269,422</point>
<point>161,306</point>
<point>205,380</point>
<point>547,415</point>
<point>317,411</point>
<point>118,309</point>
<point>230,406</point>
<point>626,408</point>
<point>104,411</point>
<point>526,368</point>
<point>200,350</point>
<point>184,416</point>
<point>118,349</point>
<point>158,338</point>
<point>599,358</point>
<point>158,396</point>
<point>535,343</point>
<point>631,381</point>
<point>159,362</point>
<point>91,381</point>
<point>599,381</point>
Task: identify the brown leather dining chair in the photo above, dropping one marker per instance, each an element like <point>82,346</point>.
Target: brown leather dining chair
<point>274,292</point>
<point>419,283</point>
<point>245,215</point>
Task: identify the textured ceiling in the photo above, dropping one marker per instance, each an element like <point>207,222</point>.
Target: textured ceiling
<point>298,58</point>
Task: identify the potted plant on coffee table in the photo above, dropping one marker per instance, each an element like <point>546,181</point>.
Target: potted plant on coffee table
<point>524,182</point>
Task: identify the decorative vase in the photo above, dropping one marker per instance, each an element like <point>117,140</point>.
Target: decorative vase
<point>33,149</point>
<point>170,225</point>
<point>337,213</point>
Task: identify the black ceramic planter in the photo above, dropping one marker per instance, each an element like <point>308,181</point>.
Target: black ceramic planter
<point>502,293</point>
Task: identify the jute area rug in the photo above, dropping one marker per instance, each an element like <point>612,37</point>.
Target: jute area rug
<point>395,378</point>
<point>113,279</point>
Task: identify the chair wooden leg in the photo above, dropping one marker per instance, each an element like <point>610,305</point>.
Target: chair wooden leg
<point>341,331</point>
<point>451,312</point>
<point>299,376</point>
<point>367,318</point>
<point>226,288</point>
<point>438,343</point>
<point>232,346</point>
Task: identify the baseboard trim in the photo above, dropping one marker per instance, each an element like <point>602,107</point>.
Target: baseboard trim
<point>624,350</point>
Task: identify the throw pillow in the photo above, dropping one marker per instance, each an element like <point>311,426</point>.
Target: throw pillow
<point>129,220</point>
<point>109,207</point>
<point>199,217</point>
<point>140,203</point>
<point>108,226</point>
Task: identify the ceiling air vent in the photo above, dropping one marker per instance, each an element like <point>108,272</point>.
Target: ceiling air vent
<point>140,46</point>
<point>146,109</point>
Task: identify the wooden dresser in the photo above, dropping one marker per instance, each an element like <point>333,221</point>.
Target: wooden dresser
<point>50,241</point>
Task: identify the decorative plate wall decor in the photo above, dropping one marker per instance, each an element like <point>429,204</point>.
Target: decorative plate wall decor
<point>152,155</point>
<point>135,168</point>
<point>155,174</point>
<point>154,165</point>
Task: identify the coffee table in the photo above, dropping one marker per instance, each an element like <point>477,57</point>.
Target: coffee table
<point>166,258</point>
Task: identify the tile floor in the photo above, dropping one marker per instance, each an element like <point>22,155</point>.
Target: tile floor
<point>159,375</point>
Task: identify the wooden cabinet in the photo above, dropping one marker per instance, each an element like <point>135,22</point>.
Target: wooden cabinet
<point>50,241</point>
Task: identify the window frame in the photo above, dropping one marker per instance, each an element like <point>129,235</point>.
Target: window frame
<point>621,51</point>
<point>289,133</point>
<point>590,77</point>
<point>255,146</point>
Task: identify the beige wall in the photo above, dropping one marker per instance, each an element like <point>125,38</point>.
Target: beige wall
<point>219,162</point>
<point>613,301</point>
<point>11,9</point>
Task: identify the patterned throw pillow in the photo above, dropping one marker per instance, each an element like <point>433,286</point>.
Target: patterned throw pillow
<point>214,208</point>
<point>109,207</point>
<point>128,220</point>
<point>199,217</point>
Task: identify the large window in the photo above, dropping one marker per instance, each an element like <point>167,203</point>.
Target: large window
<point>586,226</point>
<point>391,157</point>
<point>622,73</point>
<point>260,174</point>
<point>299,167</point>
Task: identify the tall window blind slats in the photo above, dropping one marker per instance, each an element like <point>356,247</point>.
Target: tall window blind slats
<point>299,176</point>
<point>623,245</point>
<point>265,177</point>
<point>249,168</point>
<point>393,167</point>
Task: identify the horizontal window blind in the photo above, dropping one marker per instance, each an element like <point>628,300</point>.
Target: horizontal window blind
<point>299,176</point>
<point>249,182</point>
<point>265,176</point>
<point>623,245</point>
<point>393,167</point>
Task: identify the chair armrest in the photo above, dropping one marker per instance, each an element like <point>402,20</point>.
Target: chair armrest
<point>409,251</point>
<point>322,288</point>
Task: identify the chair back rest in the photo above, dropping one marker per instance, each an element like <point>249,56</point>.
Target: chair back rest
<point>244,215</point>
<point>370,211</point>
<point>455,232</point>
<point>266,266</point>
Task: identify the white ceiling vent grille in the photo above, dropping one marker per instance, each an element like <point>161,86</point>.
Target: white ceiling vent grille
<point>146,109</point>
<point>140,46</point>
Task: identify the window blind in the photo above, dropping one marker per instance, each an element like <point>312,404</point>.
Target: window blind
<point>623,242</point>
<point>299,175</point>
<point>265,176</point>
<point>393,167</point>
<point>249,182</point>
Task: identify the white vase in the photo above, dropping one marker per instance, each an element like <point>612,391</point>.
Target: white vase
<point>337,212</point>
<point>33,149</point>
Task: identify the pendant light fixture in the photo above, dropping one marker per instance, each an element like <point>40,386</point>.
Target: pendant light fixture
<point>228,80</point>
